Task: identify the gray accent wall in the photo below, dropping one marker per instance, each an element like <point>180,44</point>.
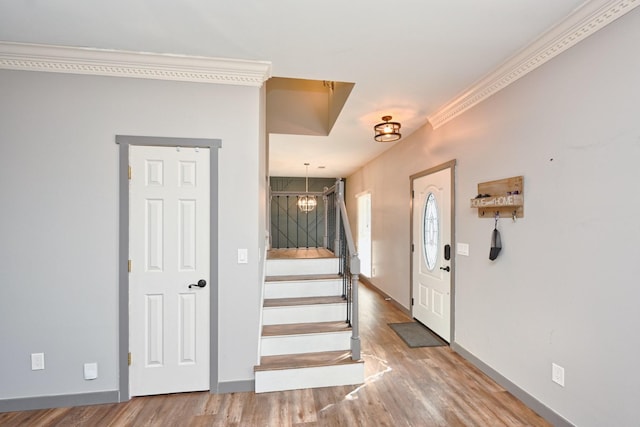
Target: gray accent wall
<point>291,228</point>
<point>59,222</point>
<point>565,287</point>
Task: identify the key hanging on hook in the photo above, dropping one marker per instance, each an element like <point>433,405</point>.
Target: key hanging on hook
<point>496,241</point>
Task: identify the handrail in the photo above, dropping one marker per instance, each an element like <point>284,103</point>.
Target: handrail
<point>345,248</point>
<point>349,237</point>
<point>297,193</point>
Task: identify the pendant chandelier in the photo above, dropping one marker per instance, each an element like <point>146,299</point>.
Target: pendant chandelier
<point>307,203</point>
<point>387,131</point>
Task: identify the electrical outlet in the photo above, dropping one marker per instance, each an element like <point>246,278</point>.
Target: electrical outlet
<point>90,371</point>
<point>557,374</point>
<point>462,249</point>
<point>37,361</point>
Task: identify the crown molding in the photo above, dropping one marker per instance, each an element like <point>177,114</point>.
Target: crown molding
<point>583,22</point>
<point>114,63</point>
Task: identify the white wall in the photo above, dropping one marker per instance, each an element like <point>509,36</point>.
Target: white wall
<point>59,219</point>
<point>565,287</point>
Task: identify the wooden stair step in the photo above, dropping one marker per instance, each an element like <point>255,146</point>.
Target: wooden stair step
<point>288,302</point>
<point>305,360</point>
<point>300,277</point>
<point>304,328</point>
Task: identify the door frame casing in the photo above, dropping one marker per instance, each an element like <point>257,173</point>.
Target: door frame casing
<point>447,165</point>
<point>357,197</point>
<point>124,141</point>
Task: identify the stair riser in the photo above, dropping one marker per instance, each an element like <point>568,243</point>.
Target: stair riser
<point>303,288</point>
<point>304,314</point>
<point>294,379</point>
<point>308,343</point>
<point>283,267</point>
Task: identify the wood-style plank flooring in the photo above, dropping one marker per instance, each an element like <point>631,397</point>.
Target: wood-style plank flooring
<point>404,387</point>
<point>298,253</point>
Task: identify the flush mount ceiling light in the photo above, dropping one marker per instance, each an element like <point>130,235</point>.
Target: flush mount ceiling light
<point>387,131</point>
<point>306,202</point>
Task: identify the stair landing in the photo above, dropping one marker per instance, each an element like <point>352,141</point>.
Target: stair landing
<point>299,253</point>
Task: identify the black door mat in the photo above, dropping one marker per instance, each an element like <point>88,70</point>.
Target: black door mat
<point>415,334</point>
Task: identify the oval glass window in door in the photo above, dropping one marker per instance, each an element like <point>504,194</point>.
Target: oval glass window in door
<point>431,235</point>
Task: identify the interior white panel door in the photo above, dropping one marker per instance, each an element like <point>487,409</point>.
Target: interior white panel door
<point>169,251</point>
<point>431,275</point>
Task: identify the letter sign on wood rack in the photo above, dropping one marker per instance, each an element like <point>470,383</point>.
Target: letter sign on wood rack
<point>503,198</point>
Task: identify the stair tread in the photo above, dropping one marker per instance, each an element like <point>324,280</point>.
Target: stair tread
<point>305,360</point>
<point>305,328</point>
<point>287,302</point>
<point>298,277</point>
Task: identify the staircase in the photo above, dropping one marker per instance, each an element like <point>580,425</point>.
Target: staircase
<point>306,341</point>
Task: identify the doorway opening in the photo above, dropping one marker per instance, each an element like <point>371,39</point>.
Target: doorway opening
<point>125,142</point>
<point>432,261</point>
<point>364,233</point>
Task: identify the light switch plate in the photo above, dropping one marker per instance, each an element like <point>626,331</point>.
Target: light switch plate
<point>462,249</point>
<point>243,256</point>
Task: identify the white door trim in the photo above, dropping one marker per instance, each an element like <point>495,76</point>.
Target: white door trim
<point>448,165</point>
<point>368,273</point>
<point>124,141</point>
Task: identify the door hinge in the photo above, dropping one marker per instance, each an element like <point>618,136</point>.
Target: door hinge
<point>411,304</point>
<point>129,173</point>
<point>413,194</point>
<point>412,248</point>
<point>129,358</point>
<point>129,265</point>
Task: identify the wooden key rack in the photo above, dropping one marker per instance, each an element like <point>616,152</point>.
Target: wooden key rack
<point>503,198</point>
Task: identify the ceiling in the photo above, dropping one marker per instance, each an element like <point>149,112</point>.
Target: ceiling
<point>406,58</point>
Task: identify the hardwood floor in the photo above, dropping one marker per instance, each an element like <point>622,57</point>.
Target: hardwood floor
<point>299,253</point>
<point>430,386</point>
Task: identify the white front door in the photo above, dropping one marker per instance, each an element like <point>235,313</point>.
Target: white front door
<point>169,251</point>
<point>431,275</point>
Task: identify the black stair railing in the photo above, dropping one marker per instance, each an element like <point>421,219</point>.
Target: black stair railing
<point>330,215</point>
<point>291,228</point>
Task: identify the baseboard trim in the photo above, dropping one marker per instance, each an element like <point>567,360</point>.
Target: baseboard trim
<point>545,412</point>
<point>368,283</point>
<point>59,401</point>
<point>236,386</point>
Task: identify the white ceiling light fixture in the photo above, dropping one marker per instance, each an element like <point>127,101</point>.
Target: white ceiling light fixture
<point>387,131</point>
<point>307,203</point>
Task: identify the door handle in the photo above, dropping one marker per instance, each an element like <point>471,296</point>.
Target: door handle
<point>445,268</point>
<point>201,284</point>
